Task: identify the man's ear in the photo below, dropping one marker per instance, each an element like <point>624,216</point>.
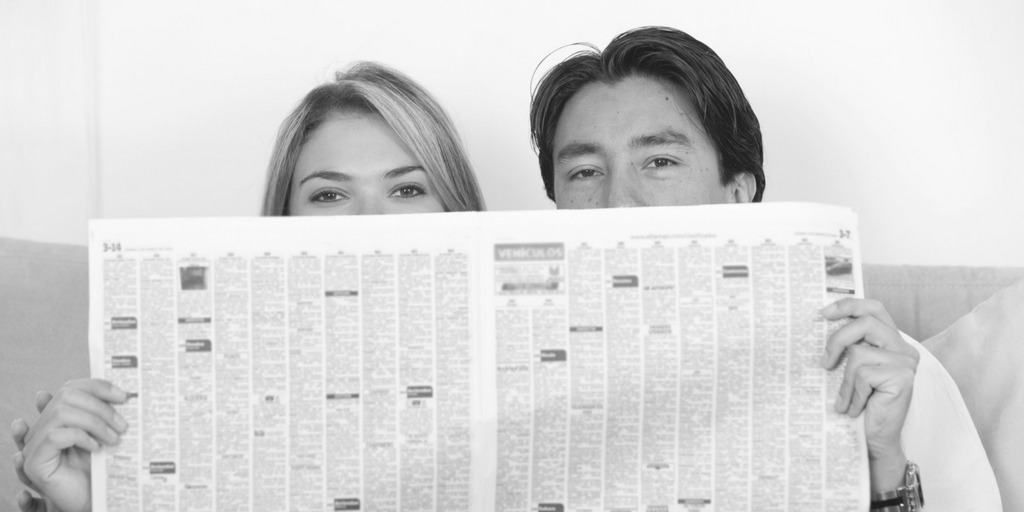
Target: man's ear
<point>742,188</point>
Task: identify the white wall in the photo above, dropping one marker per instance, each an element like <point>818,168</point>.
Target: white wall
<point>910,112</point>
<point>48,172</point>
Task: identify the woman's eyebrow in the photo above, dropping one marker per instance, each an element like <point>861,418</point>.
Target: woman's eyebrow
<point>340,176</point>
<point>400,171</point>
<point>327,175</point>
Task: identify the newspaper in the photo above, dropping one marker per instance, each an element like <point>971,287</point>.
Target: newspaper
<point>645,359</point>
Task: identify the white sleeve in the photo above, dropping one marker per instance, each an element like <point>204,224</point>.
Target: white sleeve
<point>940,437</point>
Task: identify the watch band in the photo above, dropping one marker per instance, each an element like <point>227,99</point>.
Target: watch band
<point>887,502</point>
<point>908,497</point>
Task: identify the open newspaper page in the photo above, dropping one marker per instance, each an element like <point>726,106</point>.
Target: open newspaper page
<point>667,360</point>
<point>642,359</point>
<point>287,364</point>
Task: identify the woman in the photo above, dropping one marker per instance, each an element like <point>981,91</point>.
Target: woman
<point>372,141</point>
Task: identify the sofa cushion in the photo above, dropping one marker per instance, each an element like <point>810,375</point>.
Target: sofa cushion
<point>924,300</point>
<point>44,290</point>
<point>984,352</point>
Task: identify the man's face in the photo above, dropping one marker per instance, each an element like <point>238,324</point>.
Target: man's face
<point>637,142</point>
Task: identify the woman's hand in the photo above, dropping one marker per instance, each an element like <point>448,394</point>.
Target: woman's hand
<point>878,381</point>
<point>19,427</point>
<point>55,451</point>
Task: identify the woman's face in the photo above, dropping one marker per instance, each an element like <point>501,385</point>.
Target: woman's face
<point>354,164</point>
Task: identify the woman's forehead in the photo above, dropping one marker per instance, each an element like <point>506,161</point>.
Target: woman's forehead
<point>356,145</point>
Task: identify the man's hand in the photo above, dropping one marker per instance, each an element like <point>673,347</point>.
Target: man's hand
<point>55,451</point>
<point>878,381</point>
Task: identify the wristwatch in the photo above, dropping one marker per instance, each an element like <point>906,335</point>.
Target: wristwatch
<point>906,498</point>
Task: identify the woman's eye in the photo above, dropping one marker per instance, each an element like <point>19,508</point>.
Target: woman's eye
<point>408,191</point>
<point>327,196</point>
<point>583,174</point>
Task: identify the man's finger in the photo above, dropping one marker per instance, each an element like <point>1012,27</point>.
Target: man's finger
<point>858,308</point>
<point>846,387</point>
<point>845,336</point>
<point>42,398</point>
<point>18,430</point>
<point>862,354</point>
<point>868,329</point>
<point>862,389</point>
<point>858,355</point>
<point>845,393</point>
<point>872,379</point>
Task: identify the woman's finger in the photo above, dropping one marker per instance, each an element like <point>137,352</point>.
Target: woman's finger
<point>29,503</point>
<point>89,395</point>
<point>46,448</point>
<point>18,430</point>
<point>59,415</point>
<point>102,389</point>
<point>65,437</point>
<point>19,469</point>
<point>42,398</point>
<point>90,403</point>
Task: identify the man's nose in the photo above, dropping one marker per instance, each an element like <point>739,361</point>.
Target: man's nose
<point>623,191</point>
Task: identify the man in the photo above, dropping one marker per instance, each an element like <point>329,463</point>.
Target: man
<point>657,119</point>
<point>645,84</point>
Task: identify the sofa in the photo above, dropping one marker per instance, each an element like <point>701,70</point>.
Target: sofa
<point>44,319</point>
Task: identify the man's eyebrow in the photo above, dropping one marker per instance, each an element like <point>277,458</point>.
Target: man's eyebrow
<point>662,138</point>
<point>340,176</point>
<point>575,149</point>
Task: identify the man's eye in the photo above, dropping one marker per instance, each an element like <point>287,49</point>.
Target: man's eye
<point>583,174</point>
<point>662,162</point>
<point>408,191</point>
<point>327,196</point>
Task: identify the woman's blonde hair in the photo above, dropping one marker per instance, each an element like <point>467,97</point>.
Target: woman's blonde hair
<point>415,116</point>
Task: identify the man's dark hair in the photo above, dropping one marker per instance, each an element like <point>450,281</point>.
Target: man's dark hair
<point>661,53</point>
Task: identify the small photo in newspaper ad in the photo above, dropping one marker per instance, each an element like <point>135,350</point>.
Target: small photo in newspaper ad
<point>839,270</point>
<point>529,269</point>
